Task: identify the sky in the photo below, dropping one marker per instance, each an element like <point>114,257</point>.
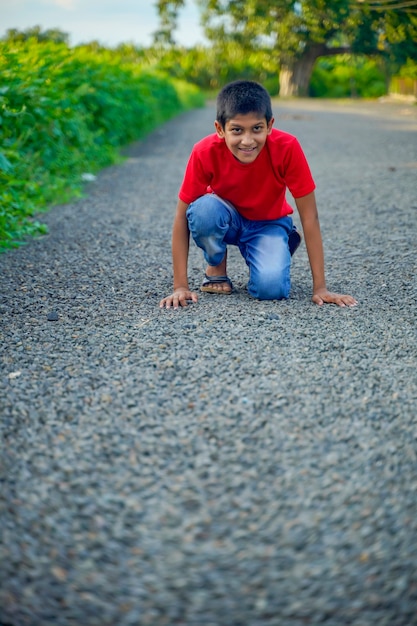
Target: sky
<point>109,21</point>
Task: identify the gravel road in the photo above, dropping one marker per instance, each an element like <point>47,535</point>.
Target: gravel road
<point>235,463</point>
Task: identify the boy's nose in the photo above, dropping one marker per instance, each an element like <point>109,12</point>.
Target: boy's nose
<point>247,139</point>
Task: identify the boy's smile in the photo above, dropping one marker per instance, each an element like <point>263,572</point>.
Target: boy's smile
<point>245,135</point>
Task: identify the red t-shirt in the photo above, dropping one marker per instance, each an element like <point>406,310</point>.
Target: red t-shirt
<point>256,190</point>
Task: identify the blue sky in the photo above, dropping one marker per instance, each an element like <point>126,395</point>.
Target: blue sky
<point>108,21</point>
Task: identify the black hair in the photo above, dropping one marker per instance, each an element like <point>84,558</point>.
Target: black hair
<point>241,97</point>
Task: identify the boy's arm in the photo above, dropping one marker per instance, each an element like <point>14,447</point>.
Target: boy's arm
<point>180,247</point>
<point>311,228</point>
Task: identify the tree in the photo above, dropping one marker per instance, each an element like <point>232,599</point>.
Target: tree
<point>168,13</point>
<point>35,32</point>
<point>297,33</point>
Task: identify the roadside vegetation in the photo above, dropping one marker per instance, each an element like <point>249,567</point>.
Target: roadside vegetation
<point>64,114</point>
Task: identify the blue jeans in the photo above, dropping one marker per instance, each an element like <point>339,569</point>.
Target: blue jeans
<point>214,223</point>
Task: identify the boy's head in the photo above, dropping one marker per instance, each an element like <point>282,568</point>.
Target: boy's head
<point>244,119</point>
<point>242,97</point>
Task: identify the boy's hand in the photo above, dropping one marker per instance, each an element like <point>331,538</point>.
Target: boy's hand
<point>321,296</point>
<point>180,297</point>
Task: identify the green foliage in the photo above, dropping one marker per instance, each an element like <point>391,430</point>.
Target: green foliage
<point>36,32</point>
<point>299,32</point>
<point>288,26</point>
<point>292,26</point>
<point>409,70</point>
<point>168,11</point>
<point>211,68</point>
<point>65,112</point>
<point>405,83</point>
<point>344,76</point>
<point>400,36</point>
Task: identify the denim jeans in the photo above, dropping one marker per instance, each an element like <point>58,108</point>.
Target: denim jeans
<point>215,223</point>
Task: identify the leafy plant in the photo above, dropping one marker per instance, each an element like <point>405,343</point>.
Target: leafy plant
<point>64,112</point>
<point>344,76</point>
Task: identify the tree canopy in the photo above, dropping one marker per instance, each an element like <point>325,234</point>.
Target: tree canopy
<point>299,32</point>
<point>36,32</point>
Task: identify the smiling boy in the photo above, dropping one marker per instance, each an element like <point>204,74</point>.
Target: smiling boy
<point>234,193</point>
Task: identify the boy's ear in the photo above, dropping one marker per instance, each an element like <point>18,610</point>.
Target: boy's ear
<point>270,125</point>
<point>219,129</point>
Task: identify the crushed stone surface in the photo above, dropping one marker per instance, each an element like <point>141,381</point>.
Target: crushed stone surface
<point>234,463</point>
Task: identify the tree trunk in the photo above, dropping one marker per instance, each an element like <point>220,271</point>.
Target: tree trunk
<point>294,77</point>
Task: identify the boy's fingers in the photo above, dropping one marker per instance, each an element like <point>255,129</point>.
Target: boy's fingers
<point>165,302</point>
<point>349,301</point>
<point>343,300</point>
<point>317,300</point>
<point>177,300</point>
<point>184,298</point>
<point>180,301</point>
<point>334,298</point>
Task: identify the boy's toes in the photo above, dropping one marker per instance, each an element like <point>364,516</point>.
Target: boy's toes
<point>225,287</point>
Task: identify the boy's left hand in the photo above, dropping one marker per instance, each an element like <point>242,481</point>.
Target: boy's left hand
<point>322,296</point>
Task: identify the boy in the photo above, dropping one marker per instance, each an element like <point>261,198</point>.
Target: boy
<point>233,193</point>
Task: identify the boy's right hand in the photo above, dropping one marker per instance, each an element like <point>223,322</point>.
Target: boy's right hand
<point>180,297</point>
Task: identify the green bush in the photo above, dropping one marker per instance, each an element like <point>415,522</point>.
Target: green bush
<point>405,82</point>
<point>409,70</point>
<point>65,112</point>
<point>211,68</point>
<point>345,76</point>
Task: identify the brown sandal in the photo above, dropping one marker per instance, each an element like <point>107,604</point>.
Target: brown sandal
<point>209,283</point>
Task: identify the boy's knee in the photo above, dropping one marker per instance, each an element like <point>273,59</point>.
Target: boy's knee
<point>203,211</point>
<point>270,287</point>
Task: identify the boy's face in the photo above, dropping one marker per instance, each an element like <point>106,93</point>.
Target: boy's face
<point>245,135</point>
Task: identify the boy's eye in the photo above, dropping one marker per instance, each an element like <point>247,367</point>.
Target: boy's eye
<point>236,130</point>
